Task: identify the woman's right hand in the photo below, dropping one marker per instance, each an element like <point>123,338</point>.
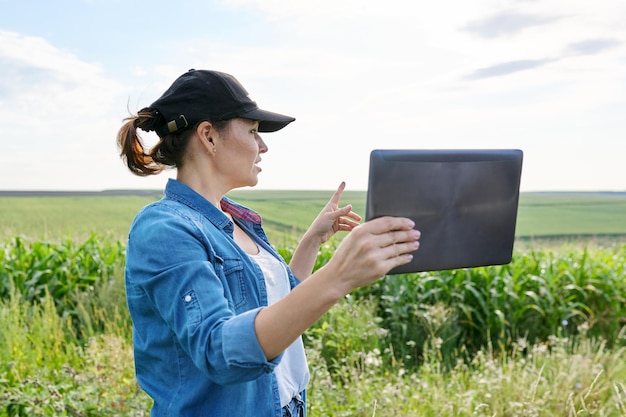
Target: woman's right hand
<point>372,249</point>
<point>367,253</point>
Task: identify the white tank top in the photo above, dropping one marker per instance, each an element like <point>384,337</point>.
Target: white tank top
<point>292,372</point>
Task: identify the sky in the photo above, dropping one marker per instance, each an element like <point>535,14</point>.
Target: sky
<point>544,76</point>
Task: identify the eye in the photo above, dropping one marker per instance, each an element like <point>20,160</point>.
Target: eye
<point>254,128</point>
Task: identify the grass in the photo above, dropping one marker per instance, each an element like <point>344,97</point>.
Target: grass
<point>287,213</point>
<point>559,214</point>
<point>558,378</point>
<point>563,375</point>
<point>46,371</point>
<point>68,217</point>
<point>384,351</point>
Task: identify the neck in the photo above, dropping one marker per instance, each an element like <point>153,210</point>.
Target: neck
<point>207,189</point>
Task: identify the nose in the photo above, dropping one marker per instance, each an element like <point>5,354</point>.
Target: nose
<point>261,143</point>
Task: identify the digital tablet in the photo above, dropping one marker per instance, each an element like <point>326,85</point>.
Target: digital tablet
<point>464,202</point>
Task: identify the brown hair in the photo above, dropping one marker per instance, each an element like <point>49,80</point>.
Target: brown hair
<point>168,152</point>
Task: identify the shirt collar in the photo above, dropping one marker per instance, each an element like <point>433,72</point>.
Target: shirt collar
<point>239,211</point>
<point>186,195</point>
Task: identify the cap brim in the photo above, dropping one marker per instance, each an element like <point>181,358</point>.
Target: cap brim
<point>269,121</point>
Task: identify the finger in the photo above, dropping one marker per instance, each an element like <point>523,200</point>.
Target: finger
<point>395,255</point>
<point>396,244</point>
<point>403,236</point>
<point>346,211</point>
<point>395,251</point>
<point>382,225</point>
<point>337,195</point>
<point>398,260</point>
<point>400,250</point>
<point>349,222</point>
<point>337,215</point>
<point>347,225</point>
<point>352,214</point>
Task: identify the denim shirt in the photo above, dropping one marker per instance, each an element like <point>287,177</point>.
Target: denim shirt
<point>193,296</point>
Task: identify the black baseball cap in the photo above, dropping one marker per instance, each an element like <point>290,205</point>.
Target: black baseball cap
<point>200,95</point>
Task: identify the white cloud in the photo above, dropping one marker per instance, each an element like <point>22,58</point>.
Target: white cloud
<point>357,76</point>
<point>57,116</point>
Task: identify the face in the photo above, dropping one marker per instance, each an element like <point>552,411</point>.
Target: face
<point>239,153</point>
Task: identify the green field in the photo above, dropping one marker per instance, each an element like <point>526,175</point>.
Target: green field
<point>76,217</point>
<point>554,214</point>
<point>287,213</point>
<point>456,343</point>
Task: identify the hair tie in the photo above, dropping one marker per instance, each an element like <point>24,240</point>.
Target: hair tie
<point>148,119</point>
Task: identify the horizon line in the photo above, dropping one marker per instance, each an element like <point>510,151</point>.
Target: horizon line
<point>152,191</point>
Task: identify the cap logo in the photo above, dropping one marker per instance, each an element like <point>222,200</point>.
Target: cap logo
<point>174,125</point>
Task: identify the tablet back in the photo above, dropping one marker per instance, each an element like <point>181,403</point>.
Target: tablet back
<point>463,201</point>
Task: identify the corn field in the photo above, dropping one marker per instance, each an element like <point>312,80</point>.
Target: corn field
<point>544,335</point>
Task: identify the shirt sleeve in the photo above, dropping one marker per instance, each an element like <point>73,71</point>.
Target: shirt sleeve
<point>186,288</point>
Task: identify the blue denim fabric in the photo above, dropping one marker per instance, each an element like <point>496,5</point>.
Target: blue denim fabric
<point>193,296</point>
<point>297,407</point>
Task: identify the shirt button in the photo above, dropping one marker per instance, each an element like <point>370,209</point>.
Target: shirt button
<point>187,298</point>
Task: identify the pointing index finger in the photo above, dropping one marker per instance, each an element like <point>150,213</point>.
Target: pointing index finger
<point>337,195</point>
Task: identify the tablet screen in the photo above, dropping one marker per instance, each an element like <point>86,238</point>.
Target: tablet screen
<point>463,201</point>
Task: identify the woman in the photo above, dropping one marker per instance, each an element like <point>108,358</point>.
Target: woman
<point>217,314</point>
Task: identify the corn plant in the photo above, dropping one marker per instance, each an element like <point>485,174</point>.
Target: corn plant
<point>538,295</point>
<point>65,270</point>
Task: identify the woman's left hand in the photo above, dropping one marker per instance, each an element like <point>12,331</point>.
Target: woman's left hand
<point>329,221</point>
<point>333,218</point>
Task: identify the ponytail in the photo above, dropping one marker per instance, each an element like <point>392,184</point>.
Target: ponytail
<point>132,149</point>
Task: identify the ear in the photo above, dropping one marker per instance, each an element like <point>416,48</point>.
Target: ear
<point>206,134</point>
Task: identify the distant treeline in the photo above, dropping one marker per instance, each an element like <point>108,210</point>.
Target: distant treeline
<point>44,193</point>
<point>137,192</point>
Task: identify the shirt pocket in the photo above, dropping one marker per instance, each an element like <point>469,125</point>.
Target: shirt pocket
<point>232,274</point>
